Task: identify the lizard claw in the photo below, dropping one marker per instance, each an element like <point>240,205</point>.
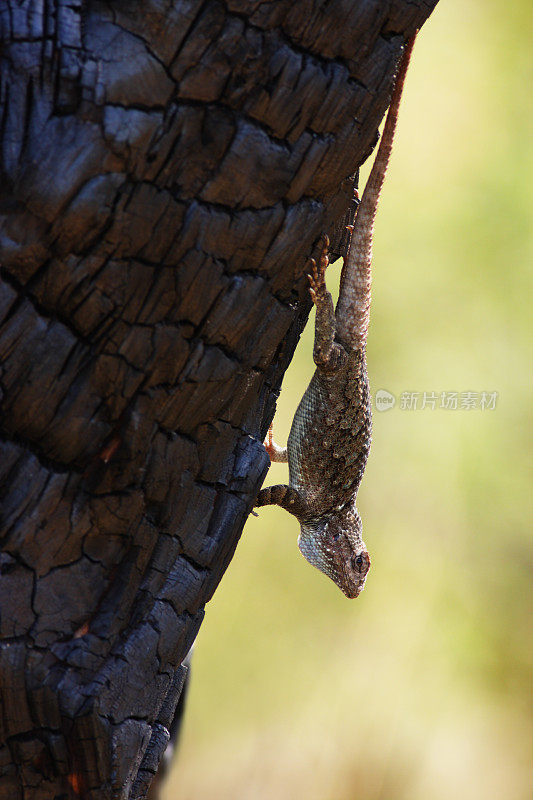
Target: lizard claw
<point>317,276</point>
<point>274,452</point>
<point>269,442</point>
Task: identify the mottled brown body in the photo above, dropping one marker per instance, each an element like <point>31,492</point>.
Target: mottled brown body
<point>329,441</point>
<point>327,451</point>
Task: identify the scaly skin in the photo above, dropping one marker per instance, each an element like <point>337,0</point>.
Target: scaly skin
<point>329,441</point>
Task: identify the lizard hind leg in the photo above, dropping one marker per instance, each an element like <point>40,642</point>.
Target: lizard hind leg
<point>328,355</point>
<point>282,495</point>
<point>274,451</point>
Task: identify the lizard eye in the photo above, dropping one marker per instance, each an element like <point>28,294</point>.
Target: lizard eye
<point>361,563</point>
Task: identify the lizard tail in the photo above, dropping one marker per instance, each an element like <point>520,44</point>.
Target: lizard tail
<point>281,495</point>
<point>353,308</point>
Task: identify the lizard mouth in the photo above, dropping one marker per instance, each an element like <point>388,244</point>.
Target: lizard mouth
<point>353,593</point>
<point>352,589</point>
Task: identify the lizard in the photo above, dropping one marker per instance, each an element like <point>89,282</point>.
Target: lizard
<point>330,436</point>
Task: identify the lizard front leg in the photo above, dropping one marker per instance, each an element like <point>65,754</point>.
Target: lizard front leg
<point>328,355</point>
<point>281,494</point>
<point>285,496</point>
<point>274,451</point>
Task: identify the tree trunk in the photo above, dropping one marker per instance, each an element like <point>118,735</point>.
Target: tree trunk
<point>167,169</point>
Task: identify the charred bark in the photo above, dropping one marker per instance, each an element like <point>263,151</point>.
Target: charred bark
<point>167,167</point>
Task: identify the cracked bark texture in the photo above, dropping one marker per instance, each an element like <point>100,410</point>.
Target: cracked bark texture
<point>167,168</point>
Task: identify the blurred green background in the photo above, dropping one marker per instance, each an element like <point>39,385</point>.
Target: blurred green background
<point>421,689</point>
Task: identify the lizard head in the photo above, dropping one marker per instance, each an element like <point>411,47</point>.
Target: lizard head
<point>333,543</point>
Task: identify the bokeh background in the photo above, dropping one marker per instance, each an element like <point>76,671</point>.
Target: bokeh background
<point>421,689</point>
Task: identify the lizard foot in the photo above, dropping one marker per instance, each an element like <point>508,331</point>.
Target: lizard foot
<point>274,451</point>
<point>317,276</point>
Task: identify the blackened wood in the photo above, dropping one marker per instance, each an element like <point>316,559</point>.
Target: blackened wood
<point>167,168</point>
